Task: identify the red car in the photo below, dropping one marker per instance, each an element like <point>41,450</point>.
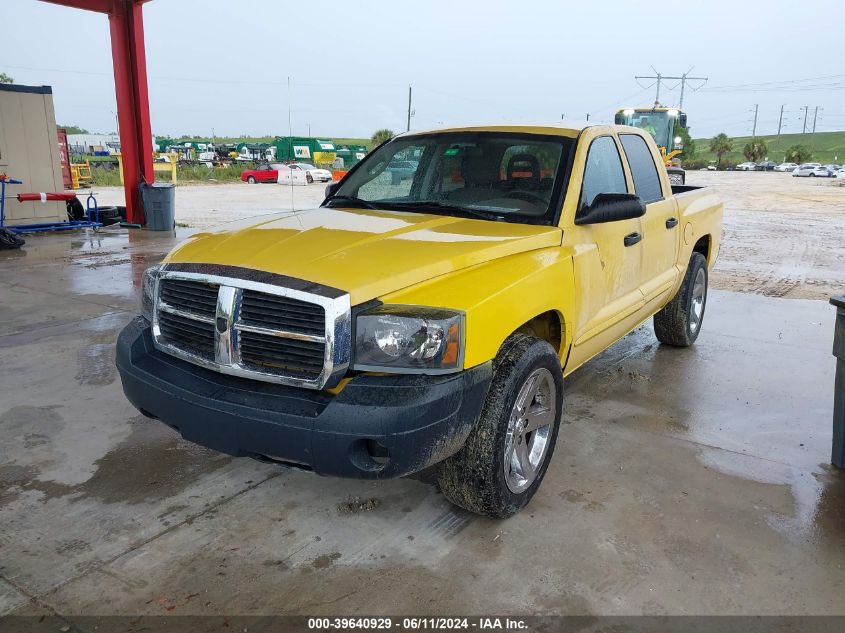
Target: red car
<point>263,172</point>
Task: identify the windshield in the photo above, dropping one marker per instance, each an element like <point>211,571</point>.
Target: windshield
<point>656,123</point>
<point>508,176</point>
<point>306,166</point>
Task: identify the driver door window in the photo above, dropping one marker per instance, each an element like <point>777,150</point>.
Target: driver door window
<point>603,172</point>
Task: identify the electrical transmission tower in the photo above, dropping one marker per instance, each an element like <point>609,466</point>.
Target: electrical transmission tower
<point>683,81</point>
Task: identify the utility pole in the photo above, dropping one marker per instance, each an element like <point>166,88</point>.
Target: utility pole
<point>409,108</point>
<point>309,130</point>
<point>780,123</point>
<point>660,78</point>
<point>754,129</point>
<point>804,129</point>
<point>657,97</point>
<point>588,116</point>
<point>813,135</point>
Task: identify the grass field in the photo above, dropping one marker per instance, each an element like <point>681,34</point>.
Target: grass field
<point>827,147</point>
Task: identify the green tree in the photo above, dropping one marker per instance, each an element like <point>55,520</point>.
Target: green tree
<point>755,150</point>
<point>74,129</point>
<point>798,154</point>
<point>380,136</point>
<point>5,79</point>
<point>720,145</point>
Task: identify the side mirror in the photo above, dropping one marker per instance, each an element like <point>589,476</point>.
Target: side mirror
<point>683,119</point>
<point>611,207</point>
<point>331,189</point>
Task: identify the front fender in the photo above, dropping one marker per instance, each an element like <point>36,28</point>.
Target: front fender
<point>499,296</point>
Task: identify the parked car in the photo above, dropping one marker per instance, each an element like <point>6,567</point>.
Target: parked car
<point>841,173</point>
<point>312,173</point>
<point>812,171</point>
<point>766,165</point>
<point>263,172</point>
<point>834,168</point>
<point>786,167</point>
<point>379,334</point>
<point>401,170</point>
<point>746,167</point>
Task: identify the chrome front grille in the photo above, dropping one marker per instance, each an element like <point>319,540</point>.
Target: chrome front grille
<point>258,329</point>
<point>196,337</point>
<point>270,311</point>
<point>193,296</point>
<point>302,359</point>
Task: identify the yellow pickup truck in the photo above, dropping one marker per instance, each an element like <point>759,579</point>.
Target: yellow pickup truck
<point>428,319</point>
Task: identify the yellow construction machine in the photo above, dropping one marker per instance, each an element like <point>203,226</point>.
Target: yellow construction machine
<point>661,123</point>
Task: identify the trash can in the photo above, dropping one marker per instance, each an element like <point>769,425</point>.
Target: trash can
<point>159,202</point>
<point>838,452</point>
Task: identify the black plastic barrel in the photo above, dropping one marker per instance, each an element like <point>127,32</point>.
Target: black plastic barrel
<point>159,202</point>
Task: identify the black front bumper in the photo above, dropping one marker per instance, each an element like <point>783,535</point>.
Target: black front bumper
<point>419,420</point>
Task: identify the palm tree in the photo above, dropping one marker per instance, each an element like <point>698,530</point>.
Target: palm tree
<point>755,150</point>
<point>720,145</point>
<point>798,154</point>
<point>380,136</point>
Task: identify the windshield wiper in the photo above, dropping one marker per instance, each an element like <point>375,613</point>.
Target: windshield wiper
<point>357,201</point>
<point>424,205</point>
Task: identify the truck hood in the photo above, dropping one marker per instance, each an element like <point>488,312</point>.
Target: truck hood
<point>364,252</point>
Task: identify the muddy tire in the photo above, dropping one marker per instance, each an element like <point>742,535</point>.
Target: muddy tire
<point>679,322</point>
<point>507,453</point>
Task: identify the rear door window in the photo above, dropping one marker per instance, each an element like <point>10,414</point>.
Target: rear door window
<point>644,171</point>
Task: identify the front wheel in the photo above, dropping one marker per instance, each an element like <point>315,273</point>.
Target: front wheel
<point>679,322</point>
<point>506,455</point>
<point>251,180</point>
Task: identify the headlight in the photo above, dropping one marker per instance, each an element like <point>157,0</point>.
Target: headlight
<point>148,288</point>
<point>410,340</point>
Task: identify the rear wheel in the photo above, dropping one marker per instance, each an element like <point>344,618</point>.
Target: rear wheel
<point>505,458</point>
<point>309,178</point>
<point>679,322</point>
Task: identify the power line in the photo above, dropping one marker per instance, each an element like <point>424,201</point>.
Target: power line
<point>770,83</point>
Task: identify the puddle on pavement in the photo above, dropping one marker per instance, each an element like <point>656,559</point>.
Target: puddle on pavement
<point>819,496</point>
<point>151,463</point>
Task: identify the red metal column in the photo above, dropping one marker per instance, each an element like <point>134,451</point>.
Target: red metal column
<point>126,23</point>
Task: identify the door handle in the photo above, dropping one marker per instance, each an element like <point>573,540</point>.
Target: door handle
<point>671,223</point>
<point>632,238</point>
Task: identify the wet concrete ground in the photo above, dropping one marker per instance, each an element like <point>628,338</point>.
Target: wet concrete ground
<point>687,481</point>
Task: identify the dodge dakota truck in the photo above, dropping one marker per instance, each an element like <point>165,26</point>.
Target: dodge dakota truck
<point>426,321</point>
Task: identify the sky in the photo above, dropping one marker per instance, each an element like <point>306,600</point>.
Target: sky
<point>223,66</point>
